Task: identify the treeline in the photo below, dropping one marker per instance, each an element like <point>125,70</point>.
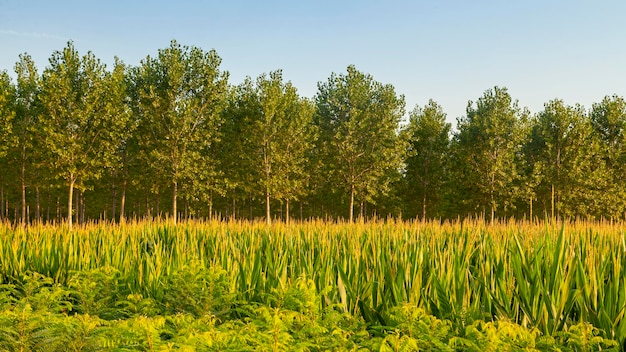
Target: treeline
<point>172,138</point>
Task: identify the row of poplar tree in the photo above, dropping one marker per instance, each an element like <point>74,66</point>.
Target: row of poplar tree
<point>172,138</point>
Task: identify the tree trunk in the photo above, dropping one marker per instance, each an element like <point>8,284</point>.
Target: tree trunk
<point>287,211</point>
<point>123,202</point>
<point>81,194</point>
<point>250,210</point>
<point>2,201</point>
<point>493,208</point>
<point>552,203</point>
<point>37,205</point>
<point>70,202</point>
<point>210,205</point>
<point>174,201</point>
<point>362,211</point>
<point>424,207</point>
<point>113,201</point>
<point>48,205</point>
<point>301,219</point>
<point>268,220</point>
<point>531,209</point>
<point>23,184</point>
<point>351,203</point>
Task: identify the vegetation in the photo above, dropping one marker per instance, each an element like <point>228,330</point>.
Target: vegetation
<point>314,286</point>
<point>173,138</point>
<point>127,152</point>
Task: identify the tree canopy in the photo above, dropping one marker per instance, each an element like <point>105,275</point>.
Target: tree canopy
<point>172,137</point>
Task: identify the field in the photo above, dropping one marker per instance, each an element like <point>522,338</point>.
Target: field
<point>387,286</point>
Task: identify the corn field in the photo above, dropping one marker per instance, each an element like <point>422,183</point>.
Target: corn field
<point>546,277</point>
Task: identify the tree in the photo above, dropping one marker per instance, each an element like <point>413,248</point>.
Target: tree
<point>358,119</point>
<point>82,122</point>
<point>25,128</point>
<point>7,112</point>
<point>181,94</point>
<point>487,142</point>
<point>276,135</point>
<point>608,119</point>
<point>569,155</point>
<point>119,94</point>
<point>429,139</point>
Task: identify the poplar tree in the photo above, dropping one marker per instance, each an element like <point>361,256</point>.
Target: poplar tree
<point>81,122</point>
<point>428,143</point>
<point>486,145</point>
<point>608,119</point>
<point>358,119</point>
<point>276,136</point>
<point>181,94</point>
<point>28,151</point>
<point>569,158</point>
<point>7,112</point>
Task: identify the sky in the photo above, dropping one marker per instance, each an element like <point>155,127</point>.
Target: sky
<point>450,51</point>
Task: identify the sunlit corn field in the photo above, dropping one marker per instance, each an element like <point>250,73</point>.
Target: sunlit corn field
<point>542,276</point>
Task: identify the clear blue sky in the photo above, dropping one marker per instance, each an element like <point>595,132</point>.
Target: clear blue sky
<point>450,51</point>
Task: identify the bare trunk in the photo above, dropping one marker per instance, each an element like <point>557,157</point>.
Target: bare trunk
<point>174,201</point>
<point>113,201</point>
<point>23,184</point>
<point>287,211</point>
<point>70,202</point>
<point>48,205</point>
<point>268,220</point>
<point>424,207</point>
<point>531,209</point>
<point>37,205</point>
<point>362,211</point>
<point>81,195</point>
<point>1,201</point>
<point>123,201</point>
<point>493,208</point>
<point>211,205</point>
<point>352,203</point>
<point>301,219</point>
<point>552,203</point>
<point>250,215</point>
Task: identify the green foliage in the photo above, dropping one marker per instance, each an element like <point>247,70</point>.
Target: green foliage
<point>315,287</point>
<point>7,112</point>
<point>181,93</point>
<point>608,119</point>
<point>426,164</point>
<point>570,160</point>
<point>210,288</point>
<point>358,119</point>
<point>270,128</point>
<point>484,152</point>
<point>83,119</point>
